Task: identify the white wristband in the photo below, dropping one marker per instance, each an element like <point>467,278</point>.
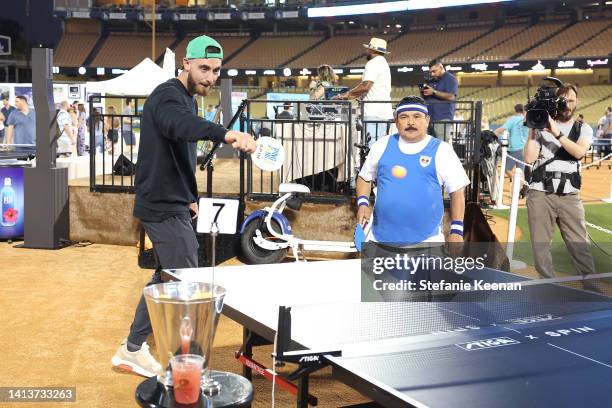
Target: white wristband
<point>457,227</point>
<point>363,201</point>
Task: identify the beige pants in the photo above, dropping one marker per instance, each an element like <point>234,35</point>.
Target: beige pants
<point>546,210</point>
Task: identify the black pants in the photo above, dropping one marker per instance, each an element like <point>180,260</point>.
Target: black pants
<point>176,246</point>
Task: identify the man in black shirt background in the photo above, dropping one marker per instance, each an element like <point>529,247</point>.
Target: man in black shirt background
<point>166,189</point>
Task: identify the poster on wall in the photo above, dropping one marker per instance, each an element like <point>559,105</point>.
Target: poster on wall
<point>11,202</point>
<point>94,97</point>
<point>5,45</point>
<point>27,92</point>
<point>5,91</point>
<point>74,92</point>
<point>59,93</point>
<point>274,108</point>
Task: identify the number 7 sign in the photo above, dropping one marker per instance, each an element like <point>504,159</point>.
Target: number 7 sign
<point>221,211</point>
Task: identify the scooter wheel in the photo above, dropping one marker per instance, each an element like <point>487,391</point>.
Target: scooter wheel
<point>254,254</point>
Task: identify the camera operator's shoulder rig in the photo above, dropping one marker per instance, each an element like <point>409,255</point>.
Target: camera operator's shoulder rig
<point>539,174</point>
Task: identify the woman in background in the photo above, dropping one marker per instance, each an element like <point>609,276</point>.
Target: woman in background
<point>111,127</point>
<point>74,126</point>
<point>2,119</point>
<point>97,122</point>
<point>81,130</point>
<point>326,77</point>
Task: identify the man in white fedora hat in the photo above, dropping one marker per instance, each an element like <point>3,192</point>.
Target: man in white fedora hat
<point>375,85</point>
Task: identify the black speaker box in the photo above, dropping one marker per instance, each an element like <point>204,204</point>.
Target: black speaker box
<point>227,246</point>
<point>124,166</point>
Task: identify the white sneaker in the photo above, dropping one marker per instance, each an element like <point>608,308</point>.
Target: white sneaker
<point>140,362</point>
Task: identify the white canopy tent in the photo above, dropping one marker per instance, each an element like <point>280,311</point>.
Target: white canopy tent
<point>140,80</point>
<point>169,64</point>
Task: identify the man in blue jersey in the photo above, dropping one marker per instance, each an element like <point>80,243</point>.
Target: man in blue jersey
<point>411,168</point>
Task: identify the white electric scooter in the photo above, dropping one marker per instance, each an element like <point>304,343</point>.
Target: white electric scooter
<point>266,234</point>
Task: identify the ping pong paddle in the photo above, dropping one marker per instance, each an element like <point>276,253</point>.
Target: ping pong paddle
<point>269,154</point>
<point>359,237</point>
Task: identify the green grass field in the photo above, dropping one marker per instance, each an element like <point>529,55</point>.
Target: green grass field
<point>598,214</point>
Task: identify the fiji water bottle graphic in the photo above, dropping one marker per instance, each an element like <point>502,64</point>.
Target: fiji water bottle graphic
<point>9,212</point>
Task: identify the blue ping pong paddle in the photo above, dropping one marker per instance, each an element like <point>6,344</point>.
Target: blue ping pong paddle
<point>359,237</point>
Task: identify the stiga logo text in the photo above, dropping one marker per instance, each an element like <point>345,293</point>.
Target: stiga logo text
<point>487,343</point>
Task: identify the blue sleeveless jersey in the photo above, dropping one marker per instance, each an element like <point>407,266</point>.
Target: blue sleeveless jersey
<point>409,206</point>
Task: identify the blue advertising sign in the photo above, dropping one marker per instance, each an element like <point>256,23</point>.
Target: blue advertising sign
<point>276,101</point>
<point>11,202</point>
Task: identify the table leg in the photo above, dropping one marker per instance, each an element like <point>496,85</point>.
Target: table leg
<point>302,397</point>
<point>247,350</point>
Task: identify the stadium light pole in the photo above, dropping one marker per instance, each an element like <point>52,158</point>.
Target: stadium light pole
<point>153,7</point>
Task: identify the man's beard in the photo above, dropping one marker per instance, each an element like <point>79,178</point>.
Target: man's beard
<point>369,56</point>
<point>192,87</point>
<point>565,116</point>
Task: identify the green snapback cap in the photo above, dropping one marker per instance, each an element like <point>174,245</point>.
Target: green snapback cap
<point>204,47</point>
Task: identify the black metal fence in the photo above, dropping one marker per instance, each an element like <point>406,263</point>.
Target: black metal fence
<point>326,143</point>
<point>600,148</point>
<point>113,141</point>
<point>319,152</point>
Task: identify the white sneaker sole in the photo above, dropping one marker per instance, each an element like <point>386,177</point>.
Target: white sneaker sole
<point>131,367</point>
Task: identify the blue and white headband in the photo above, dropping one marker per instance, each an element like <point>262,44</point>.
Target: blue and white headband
<point>411,106</point>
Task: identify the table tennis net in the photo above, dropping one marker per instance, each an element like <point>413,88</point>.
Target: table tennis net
<point>328,325</point>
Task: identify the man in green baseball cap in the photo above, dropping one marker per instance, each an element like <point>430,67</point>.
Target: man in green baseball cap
<point>206,54</point>
<point>204,47</point>
<point>165,184</point>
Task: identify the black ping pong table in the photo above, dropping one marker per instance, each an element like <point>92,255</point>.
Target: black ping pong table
<point>510,351</point>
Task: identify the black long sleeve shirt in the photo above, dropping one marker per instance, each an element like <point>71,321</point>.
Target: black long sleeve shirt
<point>165,180</point>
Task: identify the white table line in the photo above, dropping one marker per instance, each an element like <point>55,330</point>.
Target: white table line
<point>580,355</point>
<point>457,313</point>
<point>509,328</point>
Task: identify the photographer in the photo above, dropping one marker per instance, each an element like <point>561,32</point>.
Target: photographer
<point>439,91</point>
<point>554,195</point>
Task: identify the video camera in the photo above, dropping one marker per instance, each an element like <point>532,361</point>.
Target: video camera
<point>544,103</point>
